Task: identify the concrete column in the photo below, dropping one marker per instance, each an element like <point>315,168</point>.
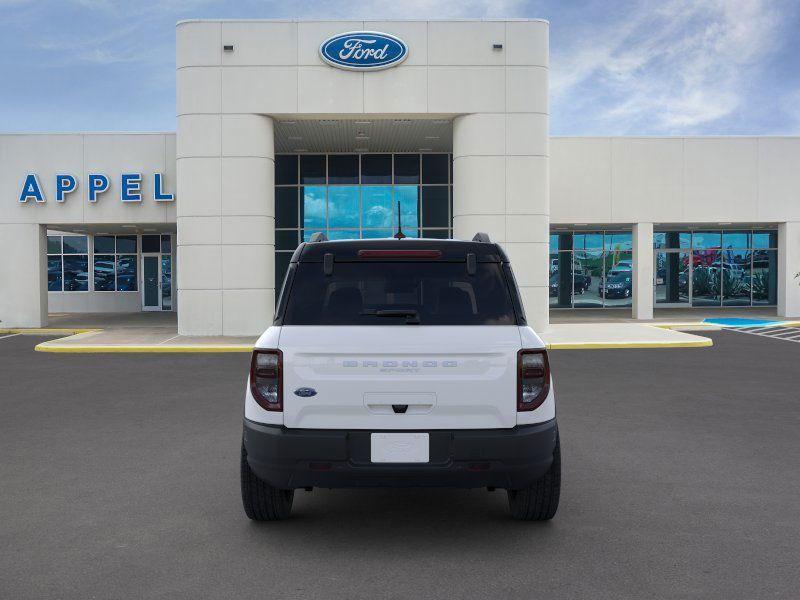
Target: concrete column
<point>226,224</point>
<point>643,271</point>
<point>501,187</point>
<point>23,276</point>
<point>788,267</point>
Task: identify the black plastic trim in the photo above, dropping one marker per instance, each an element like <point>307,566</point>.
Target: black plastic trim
<point>465,458</point>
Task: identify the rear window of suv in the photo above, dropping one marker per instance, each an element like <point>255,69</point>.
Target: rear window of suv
<point>398,293</point>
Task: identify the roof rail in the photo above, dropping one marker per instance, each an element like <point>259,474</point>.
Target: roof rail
<point>482,237</point>
<point>318,236</point>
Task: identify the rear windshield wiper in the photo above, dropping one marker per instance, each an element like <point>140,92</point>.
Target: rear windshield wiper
<point>411,315</point>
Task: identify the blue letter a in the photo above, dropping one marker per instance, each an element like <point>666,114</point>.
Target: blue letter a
<point>31,189</point>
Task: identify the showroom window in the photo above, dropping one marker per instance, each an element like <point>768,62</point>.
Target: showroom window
<point>355,196</point>
<point>67,263</point>
<point>115,263</point>
<point>716,268</point>
<point>591,269</point>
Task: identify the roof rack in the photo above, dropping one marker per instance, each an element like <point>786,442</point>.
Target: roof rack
<point>482,237</point>
<point>318,236</point>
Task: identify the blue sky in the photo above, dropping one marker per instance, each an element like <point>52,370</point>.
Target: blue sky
<point>617,68</point>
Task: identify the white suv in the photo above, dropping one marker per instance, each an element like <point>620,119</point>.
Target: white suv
<point>400,362</point>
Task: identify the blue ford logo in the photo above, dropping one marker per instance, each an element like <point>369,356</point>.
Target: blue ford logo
<point>363,50</point>
<point>305,392</point>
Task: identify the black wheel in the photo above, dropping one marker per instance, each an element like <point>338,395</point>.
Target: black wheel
<point>261,501</point>
<point>539,502</point>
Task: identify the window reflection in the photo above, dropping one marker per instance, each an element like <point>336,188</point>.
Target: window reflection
<point>706,278</point>
<point>617,286</point>
<point>672,278</point>
<point>343,206</point>
<point>765,277</point>
<point>314,207</point>
<point>587,276</point>
<point>377,206</point>
<point>721,268</point>
<point>322,193</point>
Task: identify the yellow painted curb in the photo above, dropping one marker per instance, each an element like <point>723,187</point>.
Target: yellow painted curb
<point>56,348</point>
<point>686,326</point>
<point>704,343</point>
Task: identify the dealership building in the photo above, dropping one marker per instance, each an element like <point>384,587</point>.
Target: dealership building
<point>286,128</point>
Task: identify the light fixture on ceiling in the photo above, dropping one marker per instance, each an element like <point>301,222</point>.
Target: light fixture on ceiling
<point>128,226</point>
<point>441,121</point>
<point>288,122</point>
<point>360,149</point>
<point>426,149</point>
<point>580,224</point>
<point>362,136</point>
<point>328,121</point>
<point>432,137</point>
<point>402,121</point>
<point>728,223</point>
<point>301,150</point>
<point>363,122</point>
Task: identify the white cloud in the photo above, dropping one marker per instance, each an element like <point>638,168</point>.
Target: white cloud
<point>671,68</point>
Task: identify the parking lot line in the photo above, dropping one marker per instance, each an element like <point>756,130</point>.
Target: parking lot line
<point>790,334</point>
<point>2,337</point>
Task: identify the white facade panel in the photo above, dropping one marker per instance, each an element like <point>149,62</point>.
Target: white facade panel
<point>259,90</point>
<point>778,179</point>
<point>466,43</point>
<point>527,43</point>
<point>466,89</point>
<point>647,180</point>
<point>325,90</point>
<point>403,89</point>
<point>198,44</point>
<point>199,136</point>
<point>580,180</point>
<point>199,90</point>
<point>259,43</point>
<point>720,177</point>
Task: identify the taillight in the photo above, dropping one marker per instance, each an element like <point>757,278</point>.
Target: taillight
<point>533,379</point>
<point>266,378</point>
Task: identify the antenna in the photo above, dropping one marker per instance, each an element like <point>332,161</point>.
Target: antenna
<point>399,235</point>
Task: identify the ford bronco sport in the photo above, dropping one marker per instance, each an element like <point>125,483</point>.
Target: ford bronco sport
<point>400,362</point>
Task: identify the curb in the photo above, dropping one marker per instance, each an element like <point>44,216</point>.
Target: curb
<point>45,331</point>
<point>704,343</point>
<point>58,349</point>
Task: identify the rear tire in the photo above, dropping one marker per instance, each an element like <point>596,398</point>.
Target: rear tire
<point>539,502</point>
<point>261,501</point>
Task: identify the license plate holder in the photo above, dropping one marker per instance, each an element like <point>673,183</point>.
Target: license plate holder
<point>403,447</point>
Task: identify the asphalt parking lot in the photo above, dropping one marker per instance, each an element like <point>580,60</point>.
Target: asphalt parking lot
<point>119,479</point>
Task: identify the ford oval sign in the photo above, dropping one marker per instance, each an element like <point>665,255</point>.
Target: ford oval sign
<point>363,50</point>
<point>305,392</point>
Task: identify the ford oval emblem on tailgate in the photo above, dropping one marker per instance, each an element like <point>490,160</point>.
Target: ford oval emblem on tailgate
<point>305,392</point>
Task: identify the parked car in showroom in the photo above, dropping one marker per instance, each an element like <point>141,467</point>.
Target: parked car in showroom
<point>617,286</point>
<point>581,281</point>
<point>400,362</point>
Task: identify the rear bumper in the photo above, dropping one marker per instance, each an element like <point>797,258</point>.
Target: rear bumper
<point>467,458</point>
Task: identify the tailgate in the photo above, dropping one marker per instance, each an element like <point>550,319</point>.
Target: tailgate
<point>400,377</point>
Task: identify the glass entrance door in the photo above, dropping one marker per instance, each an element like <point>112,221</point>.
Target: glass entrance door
<point>151,288</point>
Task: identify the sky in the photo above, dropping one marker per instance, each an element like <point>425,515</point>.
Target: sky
<point>669,67</point>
